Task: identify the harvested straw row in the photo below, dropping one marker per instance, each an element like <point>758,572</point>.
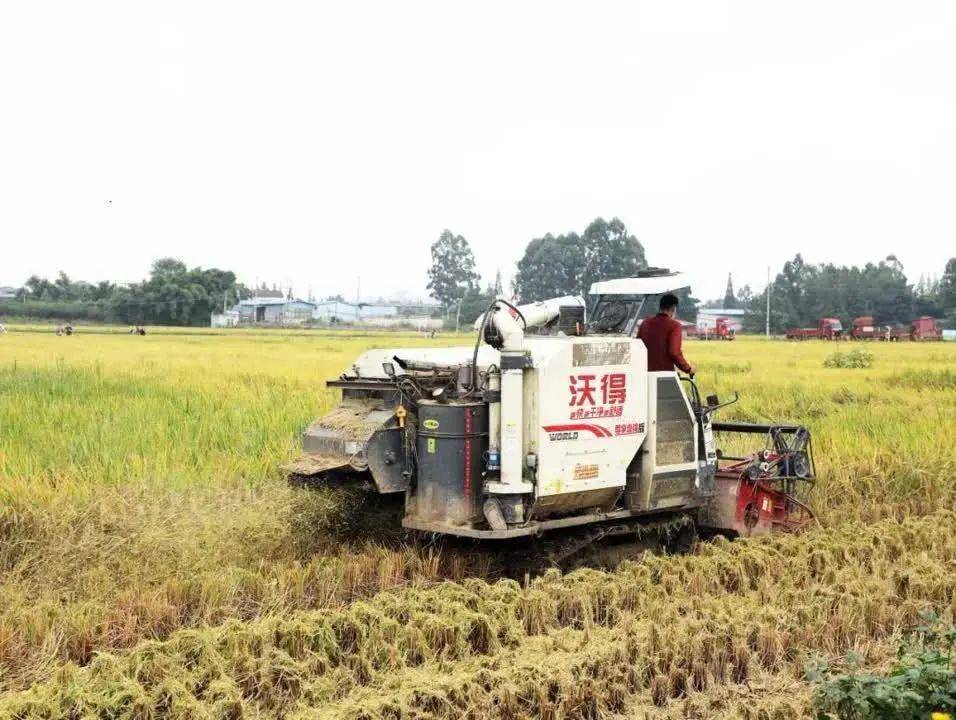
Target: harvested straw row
<point>350,420</point>
<point>655,633</point>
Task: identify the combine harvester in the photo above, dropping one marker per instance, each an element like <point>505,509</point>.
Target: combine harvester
<point>925,328</point>
<point>551,424</point>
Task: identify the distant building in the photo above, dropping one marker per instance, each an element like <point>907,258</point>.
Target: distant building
<point>421,308</point>
<point>336,311</point>
<point>369,310</point>
<point>414,322</point>
<point>707,318</point>
<point>229,318</point>
<point>8,293</point>
<point>274,311</point>
<point>283,311</point>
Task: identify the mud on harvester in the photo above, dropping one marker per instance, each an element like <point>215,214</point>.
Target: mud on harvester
<point>551,424</point>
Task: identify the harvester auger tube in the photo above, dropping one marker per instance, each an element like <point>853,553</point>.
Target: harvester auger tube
<point>551,424</point>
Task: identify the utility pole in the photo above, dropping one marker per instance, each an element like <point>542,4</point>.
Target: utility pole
<point>768,301</point>
<point>358,299</point>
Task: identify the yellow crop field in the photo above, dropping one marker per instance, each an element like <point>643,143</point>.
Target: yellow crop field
<point>154,563</point>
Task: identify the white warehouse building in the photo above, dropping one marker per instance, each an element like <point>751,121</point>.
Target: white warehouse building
<point>343,312</point>
<point>274,311</point>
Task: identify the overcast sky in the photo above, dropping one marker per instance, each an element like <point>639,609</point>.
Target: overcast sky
<point>310,143</point>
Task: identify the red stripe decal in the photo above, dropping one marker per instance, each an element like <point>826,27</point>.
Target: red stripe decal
<point>596,429</point>
<point>466,489</point>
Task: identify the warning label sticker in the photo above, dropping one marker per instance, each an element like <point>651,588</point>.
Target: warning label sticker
<point>601,353</point>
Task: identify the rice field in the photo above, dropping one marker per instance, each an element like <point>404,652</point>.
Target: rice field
<point>155,564</point>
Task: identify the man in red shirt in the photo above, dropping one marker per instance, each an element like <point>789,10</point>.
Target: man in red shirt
<point>662,337</point>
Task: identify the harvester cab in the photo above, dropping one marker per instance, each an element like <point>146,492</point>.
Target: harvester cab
<point>552,421</point>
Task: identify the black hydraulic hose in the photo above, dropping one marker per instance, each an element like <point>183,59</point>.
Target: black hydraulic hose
<point>481,334</point>
<point>524,323</point>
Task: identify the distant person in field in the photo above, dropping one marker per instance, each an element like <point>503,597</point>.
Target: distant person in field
<point>662,337</point>
<point>2,329</point>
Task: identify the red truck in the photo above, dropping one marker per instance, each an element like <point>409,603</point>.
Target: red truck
<point>688,329</point>
<point>865,329</point>
<point>723,330</point>
<point>827,329</point>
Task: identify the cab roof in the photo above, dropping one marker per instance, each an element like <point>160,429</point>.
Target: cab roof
<point>656,284</point>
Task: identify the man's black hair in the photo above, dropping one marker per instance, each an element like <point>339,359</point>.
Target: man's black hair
<point>668,301</point>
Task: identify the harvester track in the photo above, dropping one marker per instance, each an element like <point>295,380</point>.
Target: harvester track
<point>368,517</point>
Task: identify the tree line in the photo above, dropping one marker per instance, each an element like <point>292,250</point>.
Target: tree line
<point>804,292</point>
<point>552,266</point>
<point>172,295</point>
<point>801,293</point>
